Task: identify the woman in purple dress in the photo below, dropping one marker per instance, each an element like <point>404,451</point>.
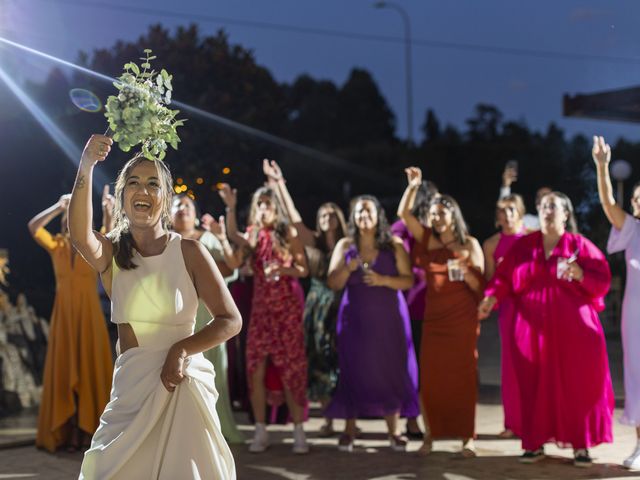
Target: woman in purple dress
<point>378,368</point>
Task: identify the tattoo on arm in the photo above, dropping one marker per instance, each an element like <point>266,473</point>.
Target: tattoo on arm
<point>80,183</point>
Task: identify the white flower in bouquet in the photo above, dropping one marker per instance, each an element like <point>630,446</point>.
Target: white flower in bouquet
<point>139,113</point>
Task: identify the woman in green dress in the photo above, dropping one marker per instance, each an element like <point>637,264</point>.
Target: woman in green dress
<point>213,236</point>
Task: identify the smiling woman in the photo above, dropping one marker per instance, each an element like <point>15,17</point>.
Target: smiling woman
<point>154,279</point>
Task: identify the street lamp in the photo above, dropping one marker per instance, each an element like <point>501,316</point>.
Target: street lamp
<point>620,171</point>
<point>407,51</point>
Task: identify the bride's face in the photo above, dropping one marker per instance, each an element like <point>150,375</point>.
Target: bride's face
<point>143,195</point>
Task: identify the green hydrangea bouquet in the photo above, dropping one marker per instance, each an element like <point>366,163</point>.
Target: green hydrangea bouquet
<point>139,113</point>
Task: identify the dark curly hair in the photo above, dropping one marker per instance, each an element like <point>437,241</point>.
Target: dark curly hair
<point>384,239</point>
<point>460,229</point>
<point>425,194</point>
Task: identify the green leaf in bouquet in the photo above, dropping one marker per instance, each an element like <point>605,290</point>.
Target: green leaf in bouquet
<point>133,67</point>
<point>146,65</point>
<point>147,50</point>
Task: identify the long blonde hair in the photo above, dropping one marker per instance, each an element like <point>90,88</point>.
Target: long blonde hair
<point>123,243</point>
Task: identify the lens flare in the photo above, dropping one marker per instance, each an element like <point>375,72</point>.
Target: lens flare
<point>85,100</point>
<point>71,150</point>
<point>303,150</point>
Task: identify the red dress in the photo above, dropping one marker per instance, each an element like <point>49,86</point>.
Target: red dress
<point>448,355</point>
<point>275,327</point>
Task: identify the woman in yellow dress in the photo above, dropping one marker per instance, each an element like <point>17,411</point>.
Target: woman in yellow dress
<point>79,364</point>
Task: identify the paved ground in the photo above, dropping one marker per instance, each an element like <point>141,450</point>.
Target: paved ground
<point>372,459</point>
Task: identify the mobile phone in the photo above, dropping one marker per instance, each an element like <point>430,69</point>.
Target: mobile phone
<point>512,165</point>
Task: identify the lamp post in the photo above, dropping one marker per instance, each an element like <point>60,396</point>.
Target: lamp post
<point>407,61</point>
<point>620,171</point>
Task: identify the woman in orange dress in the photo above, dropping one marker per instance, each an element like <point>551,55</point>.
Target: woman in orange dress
<point>79,364</point>
<point>453,262</point>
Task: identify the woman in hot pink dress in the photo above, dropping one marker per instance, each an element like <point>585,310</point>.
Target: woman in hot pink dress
<point>510,212</point>
<point>557,280</point>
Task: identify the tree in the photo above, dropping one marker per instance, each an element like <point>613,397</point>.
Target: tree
<point>431,127</point>
<point>365,117</point>
<point>486,123</point>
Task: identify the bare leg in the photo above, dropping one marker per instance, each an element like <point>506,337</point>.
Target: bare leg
<point>259,392</point>
<point>427,443</point>
<point>297,411</point>
<point>350,427</point>
<point>412,425</point>
<point>398,443</point>
<point>326,430</point>
<point>392,424</point>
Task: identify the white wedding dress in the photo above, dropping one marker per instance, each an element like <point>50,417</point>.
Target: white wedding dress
<point>145,431</point>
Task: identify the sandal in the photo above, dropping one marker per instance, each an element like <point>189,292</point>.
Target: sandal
<point>345,443</point>
<point>326,431</point>
<point>398,443</point>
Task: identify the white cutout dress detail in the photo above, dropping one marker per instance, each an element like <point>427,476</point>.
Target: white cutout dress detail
<point>145,431</point>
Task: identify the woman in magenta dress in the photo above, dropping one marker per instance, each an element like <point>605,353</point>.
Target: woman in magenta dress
<point>275,340</point>
<point>378,368</point>
<point>510,212</point>
<point>557,280</point>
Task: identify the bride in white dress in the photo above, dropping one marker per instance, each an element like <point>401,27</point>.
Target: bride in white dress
<point>160,422</point>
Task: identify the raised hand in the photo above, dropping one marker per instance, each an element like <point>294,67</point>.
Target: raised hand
<point>414,176</point>
<point>272,170</point>
<point>210,224</point>
<point>601,152</point>
<point>108,200</point>
<point>229,196</point>
<point>509,176</point>
<point>96,149</point>
<point>63,202</point>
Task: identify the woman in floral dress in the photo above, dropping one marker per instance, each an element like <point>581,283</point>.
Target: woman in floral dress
<point>275,337</point>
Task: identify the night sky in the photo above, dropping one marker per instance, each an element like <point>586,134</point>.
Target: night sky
<point>449,80</point>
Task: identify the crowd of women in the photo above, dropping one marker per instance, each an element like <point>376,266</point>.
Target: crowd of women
<point>387,329</point>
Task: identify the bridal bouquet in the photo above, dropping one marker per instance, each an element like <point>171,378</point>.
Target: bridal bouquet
<point>139,113</point>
